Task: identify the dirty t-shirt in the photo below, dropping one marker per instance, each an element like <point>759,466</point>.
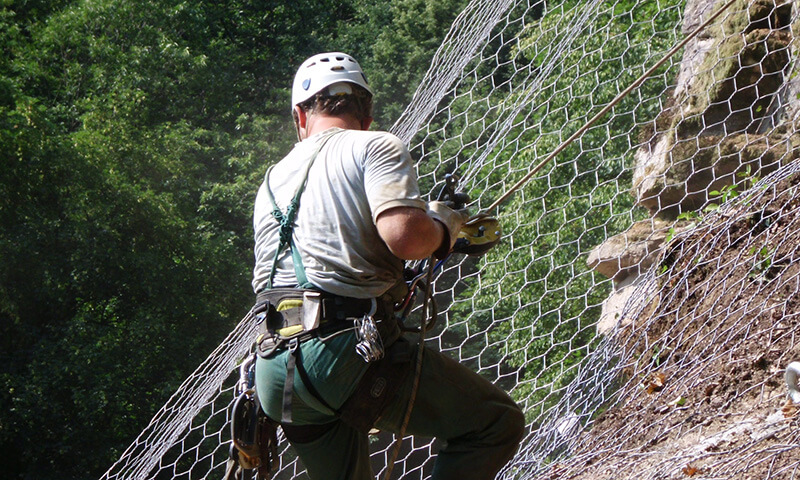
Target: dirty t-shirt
<point>356,176</point>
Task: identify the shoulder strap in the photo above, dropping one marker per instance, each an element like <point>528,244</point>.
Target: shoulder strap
<point>286,220</point>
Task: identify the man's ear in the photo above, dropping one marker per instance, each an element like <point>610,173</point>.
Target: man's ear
<point>301,122</point>
<point>301,116</point>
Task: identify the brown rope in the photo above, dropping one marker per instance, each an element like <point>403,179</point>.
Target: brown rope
<point>511,191</point>
<point>418,370</point>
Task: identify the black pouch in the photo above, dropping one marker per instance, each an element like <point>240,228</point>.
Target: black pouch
<point>290,302</point>
<point>379,384</point>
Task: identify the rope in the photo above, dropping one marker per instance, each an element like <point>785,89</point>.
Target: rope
<point>517,186</point>
<point>417,372</point>
<point>607,108</point>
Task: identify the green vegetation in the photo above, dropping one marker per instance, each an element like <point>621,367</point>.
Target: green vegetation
<point>134,135</point>
<point>536,299</point>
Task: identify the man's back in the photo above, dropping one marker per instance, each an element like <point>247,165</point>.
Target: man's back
<point>356,176</point>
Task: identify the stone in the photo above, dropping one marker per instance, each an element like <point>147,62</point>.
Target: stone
<point>625,303</point>
<point>630,252</point>
<point>696,50</point>
<point>675,178</point>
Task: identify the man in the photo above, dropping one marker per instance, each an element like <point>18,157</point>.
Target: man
<point>334,222</point>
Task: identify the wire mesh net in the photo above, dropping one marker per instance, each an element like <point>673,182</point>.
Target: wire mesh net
<point>642,306</point>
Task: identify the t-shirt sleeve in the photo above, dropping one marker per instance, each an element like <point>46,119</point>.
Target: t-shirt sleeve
<point>389,177</point>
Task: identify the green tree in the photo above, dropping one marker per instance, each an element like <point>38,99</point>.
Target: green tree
<point>134,135</point>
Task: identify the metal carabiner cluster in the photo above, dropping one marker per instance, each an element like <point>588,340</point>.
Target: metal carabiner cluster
<point>416,282</point>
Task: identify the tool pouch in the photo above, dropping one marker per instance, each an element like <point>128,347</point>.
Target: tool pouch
<point>379,384</point>
<point>286,313</point>
<point>289,311</point>
<point>283,314</point>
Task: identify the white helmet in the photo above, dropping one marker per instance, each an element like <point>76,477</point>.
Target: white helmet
<point>335,69</point>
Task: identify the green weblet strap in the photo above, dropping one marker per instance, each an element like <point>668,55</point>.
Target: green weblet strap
<point>286,221</point>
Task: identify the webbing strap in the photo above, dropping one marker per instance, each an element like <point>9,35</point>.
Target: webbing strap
<point>286,220</point>
<point>288,385</point>
<point>295,362</point>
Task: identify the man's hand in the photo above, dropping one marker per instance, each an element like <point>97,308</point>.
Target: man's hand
<point>452,220</point>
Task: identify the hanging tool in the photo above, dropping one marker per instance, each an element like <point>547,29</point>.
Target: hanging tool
<point>480,232</point>
<point>254,441</point>
<point>478,235</point>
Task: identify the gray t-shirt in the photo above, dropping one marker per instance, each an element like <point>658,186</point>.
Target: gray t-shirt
<point>356,176</point>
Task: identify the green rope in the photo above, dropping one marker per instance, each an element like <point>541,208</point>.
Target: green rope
<point>286,221</point>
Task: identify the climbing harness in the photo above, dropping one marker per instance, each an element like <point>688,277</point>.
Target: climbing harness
<point>286,317</point>
<point>280,312</point>
<point>286,220</point>
<point>308,306</point>
<point>283,315</point>
<point>286,314</point>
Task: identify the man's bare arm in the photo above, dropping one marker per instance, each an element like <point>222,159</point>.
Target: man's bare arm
<point>410,233</point>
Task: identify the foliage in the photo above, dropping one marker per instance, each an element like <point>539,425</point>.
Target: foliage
<point>535,288</point>
<point>134,135</point>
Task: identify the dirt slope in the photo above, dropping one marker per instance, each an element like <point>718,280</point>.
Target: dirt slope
<point>703,394</point>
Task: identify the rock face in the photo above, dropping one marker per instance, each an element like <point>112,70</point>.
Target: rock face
<point>631,252</point>
<point>622,300</point>
<point>730,120</point>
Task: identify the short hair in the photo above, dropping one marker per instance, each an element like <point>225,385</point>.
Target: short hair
<point>358,104</point>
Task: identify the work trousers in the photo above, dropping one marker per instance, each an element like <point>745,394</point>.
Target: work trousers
<point>479,424</point>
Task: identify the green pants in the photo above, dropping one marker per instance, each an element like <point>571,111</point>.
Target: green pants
<point>479,423</point>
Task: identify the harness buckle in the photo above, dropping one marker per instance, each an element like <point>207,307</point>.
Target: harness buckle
<point>293,343</point>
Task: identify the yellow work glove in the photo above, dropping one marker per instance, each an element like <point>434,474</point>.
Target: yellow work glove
<point>452,220</point>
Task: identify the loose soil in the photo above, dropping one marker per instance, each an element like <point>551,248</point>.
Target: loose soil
<point>703,393</point>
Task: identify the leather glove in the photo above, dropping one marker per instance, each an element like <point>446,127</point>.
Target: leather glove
<point>452,220</point>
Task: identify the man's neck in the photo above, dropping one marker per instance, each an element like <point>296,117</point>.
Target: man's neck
<point>319,123</point>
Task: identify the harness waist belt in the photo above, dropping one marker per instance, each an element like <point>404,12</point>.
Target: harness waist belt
<point>287,313</point>
<point>331,307</point>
